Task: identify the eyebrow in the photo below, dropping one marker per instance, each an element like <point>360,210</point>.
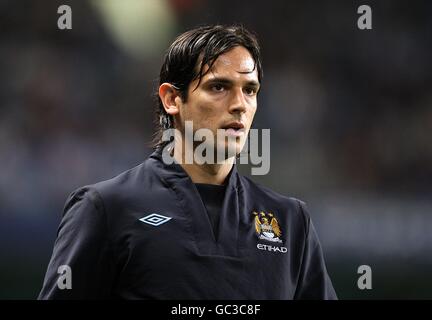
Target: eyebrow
<point>222,80</point>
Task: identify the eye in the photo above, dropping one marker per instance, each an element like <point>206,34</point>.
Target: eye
<point>250,91</point>
<point>217,87</point>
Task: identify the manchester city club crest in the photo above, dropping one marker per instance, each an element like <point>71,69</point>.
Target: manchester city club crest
<point>267,227</point>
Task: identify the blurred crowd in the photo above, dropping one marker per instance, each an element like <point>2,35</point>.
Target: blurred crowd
<point>349,110</point>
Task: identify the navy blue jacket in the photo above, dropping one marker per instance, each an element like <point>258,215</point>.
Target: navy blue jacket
<point>145,234</point>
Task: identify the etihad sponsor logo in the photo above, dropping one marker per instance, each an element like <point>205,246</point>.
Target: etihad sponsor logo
<point>267,247</point>
<point>267,228</point>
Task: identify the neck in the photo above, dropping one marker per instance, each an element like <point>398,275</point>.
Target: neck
<point>205,173</point>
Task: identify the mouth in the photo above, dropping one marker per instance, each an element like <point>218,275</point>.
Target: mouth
<point>235,128</point>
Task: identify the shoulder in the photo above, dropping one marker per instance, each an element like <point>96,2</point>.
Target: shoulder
<point>264,192</point>
<point>118,189</point>
<point>122,182</point>
<point>285,204</point>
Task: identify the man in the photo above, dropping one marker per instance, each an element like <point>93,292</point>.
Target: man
<point>179,230</point>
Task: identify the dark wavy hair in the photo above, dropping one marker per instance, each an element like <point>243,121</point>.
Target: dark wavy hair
<point>187,56</point>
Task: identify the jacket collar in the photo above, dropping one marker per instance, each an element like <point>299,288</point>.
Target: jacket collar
<point>225,243</point>
<point>174,171</point>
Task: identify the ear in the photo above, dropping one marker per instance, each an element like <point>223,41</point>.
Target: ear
<point>170,98</point>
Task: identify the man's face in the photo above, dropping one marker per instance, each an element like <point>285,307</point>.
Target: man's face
<point>225,99</point>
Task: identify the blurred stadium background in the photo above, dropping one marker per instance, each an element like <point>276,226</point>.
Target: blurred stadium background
<point>350,114</point>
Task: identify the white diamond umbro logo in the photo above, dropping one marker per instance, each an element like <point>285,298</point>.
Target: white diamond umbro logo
<point>155,219</point>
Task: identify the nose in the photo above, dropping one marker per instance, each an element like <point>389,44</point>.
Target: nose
<point>238,102</point>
